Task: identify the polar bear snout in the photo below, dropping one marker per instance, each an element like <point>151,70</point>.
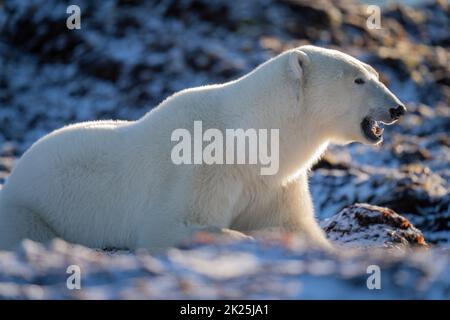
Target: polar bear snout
<point>397,112</point>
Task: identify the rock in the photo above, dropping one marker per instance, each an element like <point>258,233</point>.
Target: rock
<point>312,15</point>
<point>411,19</point>
<point>411,153</point>
<point>412,190</point>
<point>365,225</point>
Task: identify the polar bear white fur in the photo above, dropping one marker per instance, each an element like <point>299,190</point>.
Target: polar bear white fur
<point>113,184</point>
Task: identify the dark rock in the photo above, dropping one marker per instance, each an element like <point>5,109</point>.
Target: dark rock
<point>102,67</point>
<point>313,14</point>
<point>411,19</point>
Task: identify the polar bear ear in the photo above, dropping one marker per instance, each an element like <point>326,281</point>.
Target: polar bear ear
<point>298,61</point>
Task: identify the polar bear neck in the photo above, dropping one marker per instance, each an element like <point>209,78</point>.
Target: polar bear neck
<point>274,100</point>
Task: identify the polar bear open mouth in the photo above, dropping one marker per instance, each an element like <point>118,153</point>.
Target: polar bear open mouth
<point>372,129</point>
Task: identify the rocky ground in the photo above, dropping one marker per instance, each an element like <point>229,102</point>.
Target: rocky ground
<point>129,55</point>
<point>279,269</point>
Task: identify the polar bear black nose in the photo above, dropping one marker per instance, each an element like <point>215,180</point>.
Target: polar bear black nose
<point>397,112</point>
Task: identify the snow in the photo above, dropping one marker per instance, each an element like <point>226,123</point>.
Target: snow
<point>248,269</point>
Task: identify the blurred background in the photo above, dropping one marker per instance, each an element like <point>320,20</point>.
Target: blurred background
<point>129,55</point>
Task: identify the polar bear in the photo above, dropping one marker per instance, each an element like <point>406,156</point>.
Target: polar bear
<point>114,184</point>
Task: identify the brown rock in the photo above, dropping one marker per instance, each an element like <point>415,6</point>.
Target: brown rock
<point>367,225</point>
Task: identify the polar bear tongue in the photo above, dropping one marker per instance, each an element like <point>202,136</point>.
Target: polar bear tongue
<point>377,129</point>
<point>372,129</point>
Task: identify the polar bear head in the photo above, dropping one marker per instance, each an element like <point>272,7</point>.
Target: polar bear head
<point>343,96</point>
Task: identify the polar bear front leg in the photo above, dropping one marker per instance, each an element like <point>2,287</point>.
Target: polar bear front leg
<point>294,212</point>
<point>178,233</point>
<point>208,208</point>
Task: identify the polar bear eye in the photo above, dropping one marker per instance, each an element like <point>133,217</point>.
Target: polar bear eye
<point>359,81</point>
